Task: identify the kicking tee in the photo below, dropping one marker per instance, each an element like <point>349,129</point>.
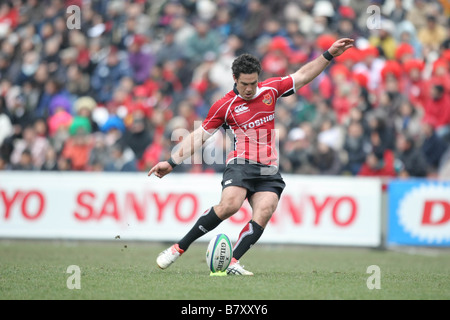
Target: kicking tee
<point>251,122</point>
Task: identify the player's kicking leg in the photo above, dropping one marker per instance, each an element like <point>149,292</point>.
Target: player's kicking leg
<point>231,200</point>
<point>263,205</point>
<point>168,256</point>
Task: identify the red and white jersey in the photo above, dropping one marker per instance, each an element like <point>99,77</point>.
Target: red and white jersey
<point>251,122</point>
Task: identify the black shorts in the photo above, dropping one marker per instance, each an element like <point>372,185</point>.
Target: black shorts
<point>253,177</point>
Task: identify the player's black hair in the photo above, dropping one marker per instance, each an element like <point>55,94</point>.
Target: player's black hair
<point>247,64</point>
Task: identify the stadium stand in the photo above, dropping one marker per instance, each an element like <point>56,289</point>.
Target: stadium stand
<point>107,96</point>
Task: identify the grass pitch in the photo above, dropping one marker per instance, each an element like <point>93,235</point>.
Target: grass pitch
<point>127,271</point>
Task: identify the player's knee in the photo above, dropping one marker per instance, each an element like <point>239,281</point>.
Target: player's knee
<point>263,213</point>
<point>226,209</point>
<point>262,217</point>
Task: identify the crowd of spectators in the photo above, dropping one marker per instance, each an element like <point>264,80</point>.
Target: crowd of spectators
<point>109,95</point>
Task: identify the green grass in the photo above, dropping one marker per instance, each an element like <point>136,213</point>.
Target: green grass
<point>121,270</point>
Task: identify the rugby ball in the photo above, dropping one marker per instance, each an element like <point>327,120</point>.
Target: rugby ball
<point>219,253</point>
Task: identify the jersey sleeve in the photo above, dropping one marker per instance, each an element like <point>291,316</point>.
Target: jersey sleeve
<point>285,86</point>
<point>216,116</point>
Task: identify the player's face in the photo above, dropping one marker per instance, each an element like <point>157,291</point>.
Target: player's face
<point>246,85</point>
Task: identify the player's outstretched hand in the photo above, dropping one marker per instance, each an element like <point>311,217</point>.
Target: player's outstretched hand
<point>160,169</point>
<point>340,46</point>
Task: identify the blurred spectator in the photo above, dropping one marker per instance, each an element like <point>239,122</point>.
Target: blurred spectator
<point>100,153</point>
<point>183,30</point>
<point>223,23</point>
<point>108,73</point>
<point>325,159</point>
<point>19,115</point>
<point>432,34</point>
<point>417,14</point>
<point>275,62</point>
<point>398,13</point>
<point>415,86</point>
<point>137,135</point>
<point>169,50</point>
<point>41,127</point>
<point>64,164</point>
<point>204,40</point>
<point>381,135</point>
<point>6,127</point>
<point>256,15</point>
<point>140,59</point>
<point>78,82</point>
<point>78,147</point>
<point>356,147</point>
<point>34,145</point>
<point>84,106</point>
<point>357,115</point>
<point>297,151</point>
<point>432,147</point>
<point>121,159</point>
<point>169,12</point>
<point>411,162</point>
<point>346,26</point>
<point>113,129</point>
<point>370,64</point>
<point>389,106</point>
<point>59,119</point>
<point>406,33</point>
<point>330,133</point>
<point>324,113</point>
<point>343,87</point>
<point>4,163</point>
<point>384,39</point>
<point>299,108</point>
<point>437,111</point>
<point>24,162</point>
<point>51,160</point>
<point>49,88</point>
<point>378,164</point>
<point>323,13</point>
<point>408,120</point>
<point>9,16</point>
<point>444,166</point>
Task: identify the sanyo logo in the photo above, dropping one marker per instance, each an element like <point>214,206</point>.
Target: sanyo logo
<point>241,108</point>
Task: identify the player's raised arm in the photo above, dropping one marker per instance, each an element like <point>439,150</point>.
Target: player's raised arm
<point>312,69</point>
<point>182,151</point>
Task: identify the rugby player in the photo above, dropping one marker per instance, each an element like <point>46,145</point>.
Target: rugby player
<point>251,169</point>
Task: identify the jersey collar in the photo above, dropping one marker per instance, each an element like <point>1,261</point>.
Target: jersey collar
<point>235,90</point>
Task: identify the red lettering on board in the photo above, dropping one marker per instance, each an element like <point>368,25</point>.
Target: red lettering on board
<point>36,198</point>
<point>109,208</point>
<point>31,203</point>
<point>318,208</point>
<point>429,218</point>
<point>161,204</point>
<point>85,203</point>
<point>9,202</point>
<point>294,211</point>
<point>194,207</point>
<point>132,205</point>
<point>352,211</point>
<point>342,211</point>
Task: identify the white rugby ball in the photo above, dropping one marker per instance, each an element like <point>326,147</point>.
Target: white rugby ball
<point>219,253</point>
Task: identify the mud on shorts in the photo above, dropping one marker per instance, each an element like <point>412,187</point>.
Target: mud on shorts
<point>254,177</point>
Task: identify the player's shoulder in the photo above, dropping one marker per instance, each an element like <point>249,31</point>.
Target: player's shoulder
<point>274,81</point>
<point>230,95</point>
